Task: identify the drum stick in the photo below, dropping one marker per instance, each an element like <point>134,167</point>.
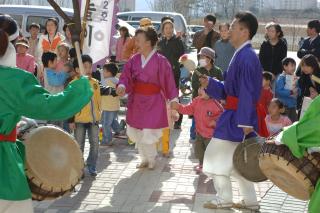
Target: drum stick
<point>199,74</point>
<point>315,79</point>
<point>77,47</point>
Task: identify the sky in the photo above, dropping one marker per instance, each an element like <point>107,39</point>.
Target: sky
<point>142,5</point>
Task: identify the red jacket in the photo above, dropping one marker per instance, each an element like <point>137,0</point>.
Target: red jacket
<point>204,112</point>
<point>265,98</point>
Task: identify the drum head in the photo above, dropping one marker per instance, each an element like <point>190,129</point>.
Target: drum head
<point>249,168</point>
<point>286,176</point>
<point>54,160</point>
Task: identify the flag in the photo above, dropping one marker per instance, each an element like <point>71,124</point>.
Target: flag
<point>100,17</point>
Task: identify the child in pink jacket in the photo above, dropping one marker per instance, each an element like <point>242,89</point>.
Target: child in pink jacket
<point>206,112</point>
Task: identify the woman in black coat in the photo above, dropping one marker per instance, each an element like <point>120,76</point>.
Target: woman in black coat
<point>273,50</point>
<point>172,48</point>
<point>307,85</point>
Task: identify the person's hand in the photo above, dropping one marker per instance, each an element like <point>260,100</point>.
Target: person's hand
<point>113,92</point>
<point>208,28</point>
<point>247,130</point>
<point>121,91</point>
<point>72,126</point>
<point>204,81</point>
<point>295,92</point>
<point>313,93</point>
<point>179,34</point>
<point>174,105</point>
<point>213,123</point>
<point>270,141</point>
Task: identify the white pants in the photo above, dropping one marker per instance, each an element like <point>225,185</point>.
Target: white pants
<point>218,164</point>
<point>146,140</point>
<point>8,206</point>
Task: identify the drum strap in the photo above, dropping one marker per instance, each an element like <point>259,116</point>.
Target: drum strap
<point>11,137</point>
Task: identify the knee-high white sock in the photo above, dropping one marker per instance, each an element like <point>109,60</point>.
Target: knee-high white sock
<point>247,191</point>
<point>224,188</point>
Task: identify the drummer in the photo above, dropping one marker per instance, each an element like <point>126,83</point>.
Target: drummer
<point>21,95</point>
<point>241,90</point>
<point>304,136</point>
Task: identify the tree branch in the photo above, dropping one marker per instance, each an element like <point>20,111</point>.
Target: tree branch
<point>57,8</point>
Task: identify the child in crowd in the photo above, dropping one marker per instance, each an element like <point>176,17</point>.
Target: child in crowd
<point>223,48</point>
<point>34,30</point>
<point>63,56</point>
<point>110,105</point>
<point>286,88</point>
<point>87,120</point>
<point>206,112</point>
<point>53,81</point>
<point>25,61</point>
<point>266,92</point>
<point>275,120</point>
<point>206,67</point>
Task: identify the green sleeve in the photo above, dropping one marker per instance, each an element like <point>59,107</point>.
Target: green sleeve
<point>37,103</point>
<point>304,133</point>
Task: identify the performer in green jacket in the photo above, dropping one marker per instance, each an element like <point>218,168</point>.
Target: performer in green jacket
<point>22,95</point>
<point>303,136</point>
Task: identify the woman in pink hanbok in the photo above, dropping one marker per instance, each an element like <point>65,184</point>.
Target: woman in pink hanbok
<point>148,80</point>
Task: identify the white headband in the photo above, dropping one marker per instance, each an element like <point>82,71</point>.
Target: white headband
<point>14,35</point>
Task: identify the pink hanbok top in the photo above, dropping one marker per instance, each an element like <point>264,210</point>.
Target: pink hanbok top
<point>148,111</point>
<point>26,62</point>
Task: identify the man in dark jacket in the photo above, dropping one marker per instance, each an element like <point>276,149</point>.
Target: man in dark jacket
<point>208,36</point>
<point>311,45</point>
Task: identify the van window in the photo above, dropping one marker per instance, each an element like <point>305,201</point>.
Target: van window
<point>18,18</point>
<point>39,20</point>
<point>123,17</point>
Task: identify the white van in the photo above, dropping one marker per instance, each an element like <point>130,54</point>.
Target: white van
<point>179,20</point>
<point>28,14</point>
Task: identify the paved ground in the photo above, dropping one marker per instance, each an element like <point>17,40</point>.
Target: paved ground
<point>172,187</point>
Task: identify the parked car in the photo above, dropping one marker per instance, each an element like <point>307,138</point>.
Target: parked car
<point>194,28</point>
<point>28,14</point>
<point>179,21</point>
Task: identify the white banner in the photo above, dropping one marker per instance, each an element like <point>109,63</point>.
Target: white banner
<point>99,27</point>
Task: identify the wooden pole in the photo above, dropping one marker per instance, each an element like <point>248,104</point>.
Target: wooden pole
<point>84,23</point>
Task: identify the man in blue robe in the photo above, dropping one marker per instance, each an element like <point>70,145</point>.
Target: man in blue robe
<point>241,90</point>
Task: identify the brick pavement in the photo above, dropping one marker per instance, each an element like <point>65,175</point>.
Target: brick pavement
<point>172,187</point>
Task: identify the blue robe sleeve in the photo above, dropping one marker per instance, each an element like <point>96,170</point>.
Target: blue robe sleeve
<point>56,79</point>
<point>246,111</point>
<point>215,89</point>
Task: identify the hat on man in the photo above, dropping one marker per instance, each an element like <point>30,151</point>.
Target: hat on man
<point>145,22</point>
<point>208,52</point>
<point>23,42</point>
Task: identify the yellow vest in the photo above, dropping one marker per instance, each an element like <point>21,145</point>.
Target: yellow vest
<point>86,115</point>
<point>110,103</point>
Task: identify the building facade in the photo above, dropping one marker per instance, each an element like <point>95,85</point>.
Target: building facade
<point>127,5</point>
